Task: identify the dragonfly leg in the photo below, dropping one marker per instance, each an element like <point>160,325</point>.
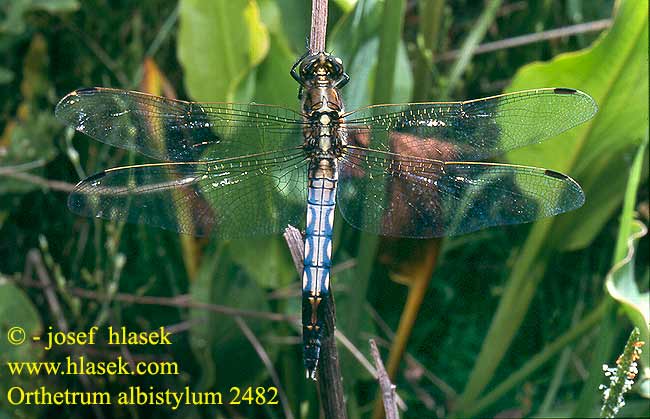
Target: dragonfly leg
<point>342,81</point>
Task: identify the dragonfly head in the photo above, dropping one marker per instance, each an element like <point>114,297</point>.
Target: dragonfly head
<point>319,70</point>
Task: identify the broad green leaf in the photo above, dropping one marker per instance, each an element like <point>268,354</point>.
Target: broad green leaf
<point>258,42</point>
<point>614,73</point>
<point>218,45</point>
<point>346,5</point>
<point>227,357</point>
<point>622,286</point>
<point>621,282</point>
<point>292,23</point>
<point>266,260</point>
<point>358,92</point>
<point>610,71</point>
<point>355,40</point>
<point>354,29</point>
<point>274,84</point>
<point>16,310</point>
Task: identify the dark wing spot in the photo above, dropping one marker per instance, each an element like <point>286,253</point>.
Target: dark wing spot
<point>86,91</point>
<point>555,174</point>
<point>564,91</point>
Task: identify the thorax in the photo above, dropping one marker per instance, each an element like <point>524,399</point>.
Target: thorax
<point>323,108</point>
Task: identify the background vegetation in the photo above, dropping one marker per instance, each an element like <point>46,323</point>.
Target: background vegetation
<point>513,321</point>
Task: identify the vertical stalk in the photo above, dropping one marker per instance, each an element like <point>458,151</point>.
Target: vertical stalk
<point>470,44</point>
<point>392,22</point>
<point>419,282</point>
<point>428,41</point>
<point>519,291</point>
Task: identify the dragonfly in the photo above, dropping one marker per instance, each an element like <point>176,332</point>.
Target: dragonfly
<point>404,170</point>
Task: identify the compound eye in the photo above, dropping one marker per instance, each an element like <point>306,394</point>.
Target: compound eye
<point>307,69</point>
<point>337,66</point>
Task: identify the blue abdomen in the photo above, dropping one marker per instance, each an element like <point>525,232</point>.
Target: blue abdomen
<point>321,203</point>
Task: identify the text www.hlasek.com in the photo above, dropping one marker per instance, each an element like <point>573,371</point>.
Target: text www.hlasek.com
<point>82,366</point>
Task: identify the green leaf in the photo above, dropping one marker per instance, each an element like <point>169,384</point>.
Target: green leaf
<point>389,41</point>
<point>292,22</point>
<point>16,310</point>
<point>621,283</point>
<point>218,45</point>
<point>610,71</point>
<point>594,153</point>
<point>265,259</point>
<point>220,346</point>
<point>274,84</point>
<point>346,5</point>
<point>354,39</point>
<point>358,92</point>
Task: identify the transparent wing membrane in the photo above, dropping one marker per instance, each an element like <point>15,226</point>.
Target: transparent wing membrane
<point>240,169</point>
<point>232,198</point>
<point>471,130</point>
<point>174,130</point>
<point>400,196</point>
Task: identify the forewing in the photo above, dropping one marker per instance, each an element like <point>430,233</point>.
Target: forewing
<point>400,196</point>
<point>471,130</point>
<point>231,198</point>
<point>174,130</point>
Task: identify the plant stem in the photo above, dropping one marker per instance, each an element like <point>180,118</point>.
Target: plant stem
<point>539,360</point>
<point>520,288</point>
<point>470,44</point>
<point>392,21</point>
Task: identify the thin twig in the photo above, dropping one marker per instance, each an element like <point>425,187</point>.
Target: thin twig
<point>387,388</point>
<point>40,181</point>
<point>295,242</point>
<point>266,360</point>
<point>23,167</point>
<point>35,260</point>
<point>100,53</point>
<point>466,52</point>
<point>318,26</point>
<point>330,383</point>
<point>411,361</point>
<point>516,41</point>
<point>179,301</point>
